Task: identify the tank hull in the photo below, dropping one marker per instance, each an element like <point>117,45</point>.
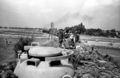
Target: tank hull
<point>43,71</point>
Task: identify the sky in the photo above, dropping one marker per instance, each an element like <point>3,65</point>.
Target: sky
<point>104,14</point>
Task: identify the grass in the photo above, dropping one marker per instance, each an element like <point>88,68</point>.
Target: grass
<point>98,38</point>
<point>6,51</point>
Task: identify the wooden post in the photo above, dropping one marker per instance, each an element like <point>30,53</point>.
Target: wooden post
<point>6,42</point>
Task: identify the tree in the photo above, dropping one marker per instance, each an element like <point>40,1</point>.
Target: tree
<point>78,29</point>
<point>113,33</point>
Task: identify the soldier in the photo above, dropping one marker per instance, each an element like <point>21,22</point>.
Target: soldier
<point>72,41</point>
<point>69,42</point>
<point>76,38</point>
<point>61,36</point>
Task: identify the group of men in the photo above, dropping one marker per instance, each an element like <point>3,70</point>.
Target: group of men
<point>68,40</point>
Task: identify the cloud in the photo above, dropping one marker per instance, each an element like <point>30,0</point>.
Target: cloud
<point>39,13</point>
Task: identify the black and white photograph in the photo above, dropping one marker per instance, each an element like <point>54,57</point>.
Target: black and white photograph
<point>59,38</point>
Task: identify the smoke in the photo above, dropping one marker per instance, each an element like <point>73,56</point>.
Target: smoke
<point>103,14</point>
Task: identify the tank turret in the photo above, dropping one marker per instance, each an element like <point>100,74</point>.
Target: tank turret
<point>45,62</point>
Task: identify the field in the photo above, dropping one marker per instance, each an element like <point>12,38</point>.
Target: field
<point>7,42</point>
<point>7,51</point>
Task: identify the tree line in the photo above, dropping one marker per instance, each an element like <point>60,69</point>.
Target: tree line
<point>80,29</point>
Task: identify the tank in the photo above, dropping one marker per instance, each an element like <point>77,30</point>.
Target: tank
<point>45,62</point>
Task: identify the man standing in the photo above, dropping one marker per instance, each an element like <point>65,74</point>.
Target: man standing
<point>61,36</point>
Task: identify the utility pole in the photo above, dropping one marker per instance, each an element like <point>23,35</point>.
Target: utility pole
<point>51,30</point>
